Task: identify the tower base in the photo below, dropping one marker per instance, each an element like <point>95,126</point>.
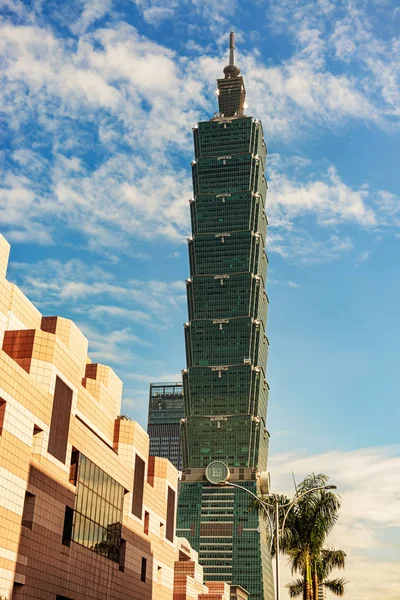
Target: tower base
<point>231,541</point>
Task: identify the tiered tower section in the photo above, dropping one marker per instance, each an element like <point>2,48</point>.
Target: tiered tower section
<point>225,387</point>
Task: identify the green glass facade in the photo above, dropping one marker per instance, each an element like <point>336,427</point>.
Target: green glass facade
<point>225,387</point>
<point>163,425</point>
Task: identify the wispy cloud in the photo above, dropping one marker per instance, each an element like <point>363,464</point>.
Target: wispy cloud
<point>98,293</point>
<point>130,102</point>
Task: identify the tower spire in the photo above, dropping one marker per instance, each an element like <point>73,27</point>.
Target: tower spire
<point>232,48</point>
<point>231,70</point>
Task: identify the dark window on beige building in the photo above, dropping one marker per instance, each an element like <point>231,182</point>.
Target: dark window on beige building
<point>60,417</point>
<point>170,526</point>
<point>146,522</point>
<point>122,554</point>
<point>2,414</point>
<point>138,487</point>
<point>67,530</point>
<point>28,511</point>
<point>143,571</point>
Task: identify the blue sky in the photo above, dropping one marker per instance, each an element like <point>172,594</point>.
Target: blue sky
<point>97,102</point>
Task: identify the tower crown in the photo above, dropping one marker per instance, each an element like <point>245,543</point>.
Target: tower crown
<point>231,70</point>
<point>231,90</point>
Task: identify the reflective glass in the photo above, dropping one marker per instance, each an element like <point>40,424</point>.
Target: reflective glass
<point>98,510</point>
<point>82,468</point>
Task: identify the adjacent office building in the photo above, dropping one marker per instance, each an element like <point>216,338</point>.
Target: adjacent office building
<point>85,513</point>
<point>225,386</point>
<point>165,413</point>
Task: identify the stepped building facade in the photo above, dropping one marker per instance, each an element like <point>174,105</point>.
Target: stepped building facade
<point>225,386</point>
<point>85,513</point>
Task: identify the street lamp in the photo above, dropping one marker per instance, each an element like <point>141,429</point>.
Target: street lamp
<point>217,473</point>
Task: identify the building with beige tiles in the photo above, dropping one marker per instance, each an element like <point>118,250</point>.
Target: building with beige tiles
<point>85,513</point>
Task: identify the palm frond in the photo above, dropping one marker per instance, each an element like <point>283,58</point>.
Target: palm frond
<point>333,559</point>
<point>336,586</point>
<point>295,588</point>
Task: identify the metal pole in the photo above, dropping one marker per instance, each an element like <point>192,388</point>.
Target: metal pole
<point>277,548</point>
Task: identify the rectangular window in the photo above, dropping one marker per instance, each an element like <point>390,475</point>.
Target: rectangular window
<point>143,571</point>
<point>2,414</point>
<point>122,555</point>
<point>146,522</point>
<point>18,591</point>
<point>67,530</point>
<point>73,466</point>
<point>97,521</point>
<point>28,511</point>
<point>138,487</point>
<point>170,527</point>
<point>60,417</point>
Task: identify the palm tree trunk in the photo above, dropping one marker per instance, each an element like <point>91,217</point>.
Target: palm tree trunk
<point>315,586</point>
<point>307,580</point>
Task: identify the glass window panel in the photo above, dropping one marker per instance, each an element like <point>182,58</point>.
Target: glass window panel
<point>104,513</point>
<point>100,483</point>
<point>115,495</point>
<point>96,536</point>
<point>82,468</point>
<point>103,538</point>
<point>108,488</point>
<point>83,531</point>
<point>90,532</point>
<point>88,473</point>
<point>95,477</point>
<point>95,508</point>
<point>85,500</point>
<point>79,497</point>
<point>76,530</point>
<point>100,510</point>
<point>115,515</point>
<point>112,491</point>
<point>121,498</point>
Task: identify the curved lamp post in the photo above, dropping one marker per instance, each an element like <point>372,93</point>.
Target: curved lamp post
<point>217,473</point>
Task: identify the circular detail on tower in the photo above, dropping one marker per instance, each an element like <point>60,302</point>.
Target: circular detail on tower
<point>217,472</point>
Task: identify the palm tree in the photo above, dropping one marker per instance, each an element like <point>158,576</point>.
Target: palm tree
<point>321,567</point>
<point>313,518</point>
<point>308,523</point>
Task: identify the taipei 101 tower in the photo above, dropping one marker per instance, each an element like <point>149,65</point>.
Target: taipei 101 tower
<point>225,386</point>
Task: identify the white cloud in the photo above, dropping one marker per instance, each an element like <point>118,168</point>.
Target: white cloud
<point>346,30</point>
<point>99,294</point>
<point>137,100</point>
<point>92,11</point>
<point>330,199</point>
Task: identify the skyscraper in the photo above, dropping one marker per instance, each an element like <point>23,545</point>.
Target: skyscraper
<point>165,413</point>
<point>225,386</point>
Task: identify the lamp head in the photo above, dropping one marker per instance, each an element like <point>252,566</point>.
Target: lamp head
<point>330,487</point>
